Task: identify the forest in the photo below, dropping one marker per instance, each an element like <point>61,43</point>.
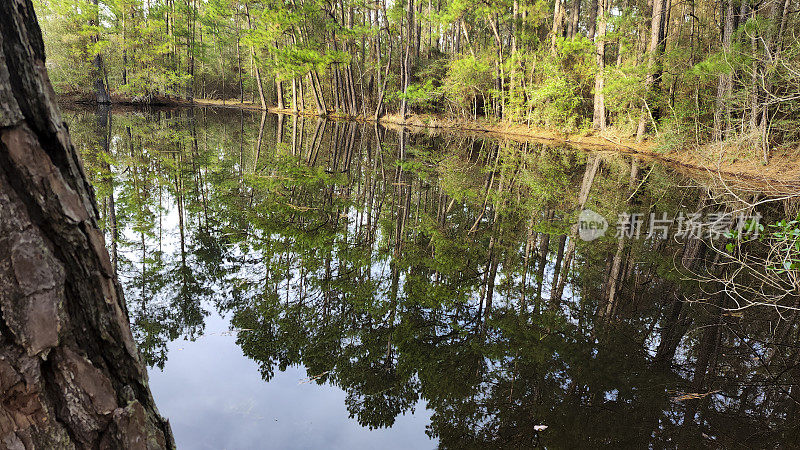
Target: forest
<point>681,73</point>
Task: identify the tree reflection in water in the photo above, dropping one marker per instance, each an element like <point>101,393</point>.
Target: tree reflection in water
<point>405,267</point>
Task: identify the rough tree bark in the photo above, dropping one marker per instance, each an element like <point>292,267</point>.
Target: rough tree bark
<point>70,373</point>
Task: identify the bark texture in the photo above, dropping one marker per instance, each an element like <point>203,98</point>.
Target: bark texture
<point>70,373</point>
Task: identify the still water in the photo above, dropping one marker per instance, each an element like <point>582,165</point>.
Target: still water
<point>296,283</point>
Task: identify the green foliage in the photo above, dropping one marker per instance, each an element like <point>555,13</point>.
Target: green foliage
<point>560,98</point>
<point>467,79</point>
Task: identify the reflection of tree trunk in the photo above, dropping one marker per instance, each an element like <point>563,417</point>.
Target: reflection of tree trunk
<point>401,203</point>
<point>675,324</point>
<point>493,260</point>
<point>336,145</point>
<point>178,181</point>
<point>562,242</point>
<point>526,261</point>
<point>393,294</point>
<point>203,187</point>
<point>104,133</point>
<point>279,132</point>
<point>706,361</point>
<point>300,135</point>
<point>351,140</point>
<point>544,249</point>
<point>241,148</point>
<point>319,132</point>
<point>586,186</point>
<point>672,331</point>
<point>616,265</point>
<point>782,332</point>
<point>613,279</point>
<point>258,141</point>
<point>294,135</point>
<point>379,151</point>
<point>489,184</point>
<point>72,375</point>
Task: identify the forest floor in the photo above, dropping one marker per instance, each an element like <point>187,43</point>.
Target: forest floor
<point>736,165</point>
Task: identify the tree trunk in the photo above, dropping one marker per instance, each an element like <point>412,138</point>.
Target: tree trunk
<point>592,20</point>
<point>558,24</point>
<point>574,17</point>
<point>380,107</point>
<point>725,84</point>
<point>772,50</point>
<point>124,49</point>
<point>71,376</point>
<point>316,89</point>
<point>654,50</point>
<point>191,8</point>
<point>599,117</point>
<point>260,87</point>
<point>279,94</point>
<point>98,75</point>
<point>407,59</point>
<point>512,94</point>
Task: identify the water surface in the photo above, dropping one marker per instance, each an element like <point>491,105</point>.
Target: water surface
<point>297,283</point>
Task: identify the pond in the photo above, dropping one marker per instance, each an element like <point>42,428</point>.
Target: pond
<point>300,283</point>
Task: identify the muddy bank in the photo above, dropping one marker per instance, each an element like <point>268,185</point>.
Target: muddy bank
<point>738,167</point>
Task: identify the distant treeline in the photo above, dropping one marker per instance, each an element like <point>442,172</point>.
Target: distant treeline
<point>688,72</point>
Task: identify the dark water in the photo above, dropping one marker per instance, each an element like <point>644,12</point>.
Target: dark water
<point>300,284</point>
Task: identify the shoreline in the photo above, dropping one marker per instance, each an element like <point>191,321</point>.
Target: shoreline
<point>724,163</point>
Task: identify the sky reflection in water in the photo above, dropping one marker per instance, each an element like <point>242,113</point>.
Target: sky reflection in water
<point>420,273</point>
